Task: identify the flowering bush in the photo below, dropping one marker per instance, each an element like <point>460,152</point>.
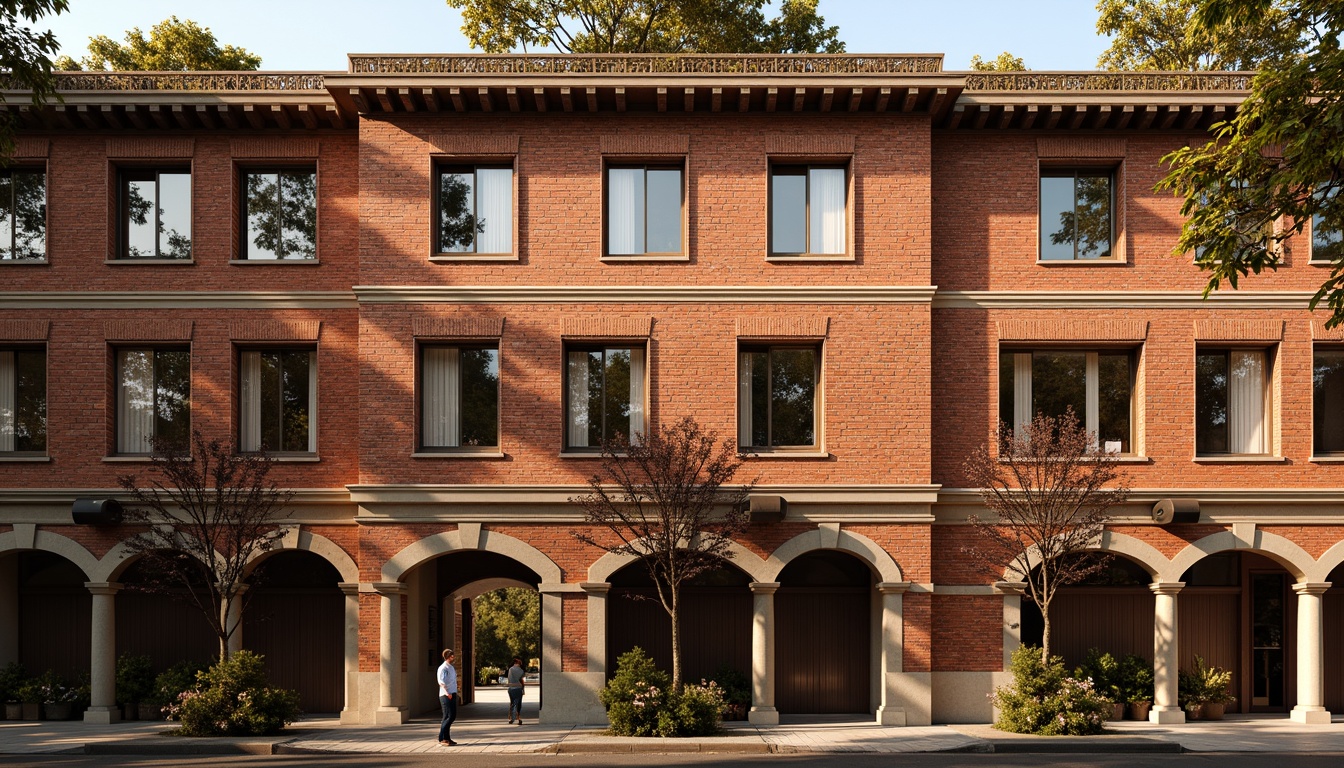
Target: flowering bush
<point>232,699</point>
<point>55,690</point>
<point>170,684</point>
<point>695,711</point>
<point>640,701</point>
<point>1044,700</point>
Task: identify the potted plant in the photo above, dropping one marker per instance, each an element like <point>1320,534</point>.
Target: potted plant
<point>135,681</point>
<point>58,696</point>
<point>1205,691</point>
<point>11,678</point>
<point>1104,671</point>
<point>736,692</point>
<point>30,696</point>
<point>1137,686</point>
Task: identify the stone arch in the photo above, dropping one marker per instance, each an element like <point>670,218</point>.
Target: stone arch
<point>1331,559</point>
<point>1141,552</point>
<point>743,559</point>
<point>428,548</point>
<point>116,561</point>
<point>55,543</point>
<point>831,537</point>
<point>1291,556</point>
<point>299,539</point>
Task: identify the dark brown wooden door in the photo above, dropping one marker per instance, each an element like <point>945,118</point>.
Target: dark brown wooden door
<point>822,637</point>
<point>1334,646</point>
<point>715,629</point>
<point>301,632</point>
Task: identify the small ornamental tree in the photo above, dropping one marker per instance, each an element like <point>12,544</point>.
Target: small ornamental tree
<point>213,509</point>
<point>1049,490</point>
<point>662,497</point>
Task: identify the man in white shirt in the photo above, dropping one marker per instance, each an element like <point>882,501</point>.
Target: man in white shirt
<point>447,677</point>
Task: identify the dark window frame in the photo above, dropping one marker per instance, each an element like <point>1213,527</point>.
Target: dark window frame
<point>28,349</point>
<point>443,166</point>
<point>132,173</point>
<point>784,167</point>
<point>244,242</point>
<point>1267,416</point>
<point>1060,171</point>
<point>119,380</point>
<point>755,347</point>
<point>314,387</point>
<point>1318,411</point>
<point>1133,355</point>
<point>603,347</point>
<point>12,246</point>
<point>678,165</point>
<point>420,444</point>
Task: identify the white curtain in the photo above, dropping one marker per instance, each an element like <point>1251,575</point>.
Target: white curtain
<point>1092,400</point>
<point>312,402</point>
<point>8,401</point>
<point>249,428</point>
<point>827,209</point>
<point>637,427</point>
<point>577,418</point>
<point>135,401</point>
<point>1022,414</point>
<point>625,211</point>
<point>441,399</point>
<point>1246,401</point>
<point>494,205</point>
<point>744,404</point>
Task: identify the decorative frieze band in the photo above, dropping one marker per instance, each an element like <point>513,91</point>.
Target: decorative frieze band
<point>646,144</point>
<point>458,327</point>
<point>1320,333</point>
<point>1073,330</point>
<point>147,330</point>
<point>31,146</point>
<point>275,146</point>
<point>156,147</point>
<point>1239,330</point>
<point>599,327</point>
<point>275,330</point>
<point>809,145</point>
<point>783,327</point>
<point>24,330</point>
<point>468,144</point>
<point>1080,147</point>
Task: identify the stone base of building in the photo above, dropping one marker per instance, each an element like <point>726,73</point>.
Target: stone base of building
<point>892,716</point>
<point>390,716</point>
<point>763,716</point>
<point>1166,715</point>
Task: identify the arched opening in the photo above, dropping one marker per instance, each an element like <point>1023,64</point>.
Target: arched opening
<point>295,617</point>
<point>1333,626</point>
<point>160,622</point>
<point>715,614</point>
<point>50,609</point>
<point>1111,611</point>
<point>823,635</point>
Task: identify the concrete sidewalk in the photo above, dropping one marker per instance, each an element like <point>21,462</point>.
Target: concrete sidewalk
<point>482,728</point>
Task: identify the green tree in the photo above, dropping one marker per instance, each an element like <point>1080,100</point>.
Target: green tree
<point>172,46</point>
<point>1169,35</point>
<point>1278,166</point>
<point>646,26</point>
<point>25,54</point>
<point>508,624</point>
<point>1006,62</point>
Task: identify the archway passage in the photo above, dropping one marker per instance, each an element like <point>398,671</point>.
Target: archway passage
<point>1333,625</point>
<point>823,635</point>
<point>53,613</point>
<point>295,618</point>
<point>1112,611</point>
<point>715,613</point>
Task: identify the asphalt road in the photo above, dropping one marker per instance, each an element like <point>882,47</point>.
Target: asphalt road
<point>441,759</point>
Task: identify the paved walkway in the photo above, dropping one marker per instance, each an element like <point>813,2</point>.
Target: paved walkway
<point>483,728</point>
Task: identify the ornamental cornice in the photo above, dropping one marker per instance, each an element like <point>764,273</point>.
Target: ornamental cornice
<point>177,300</point>
<point>1144,82</point>
<point>631,294</point>
<point>950,299</point>
<point>645,64</point>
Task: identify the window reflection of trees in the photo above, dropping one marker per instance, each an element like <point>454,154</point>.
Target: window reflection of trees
<point>458,224</point>
<point>1087,225</point>
<point>281,215</point>
<point>783,384</point>
<point>285,406</point>
<point>28,421</point>
<point>23,215</point>
<point>1211,385</point>
<point>164,197</point>
<point>480,396</point>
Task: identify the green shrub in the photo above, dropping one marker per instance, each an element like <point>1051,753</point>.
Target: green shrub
<point>1104,671</point>
<point>735,684</point>
<point>488,675</point>
<point>635,695</point>
<point>232,699</point>
<point>173,681</point>
<point>135,678</point>
<point>12,677</point>
<point>54,689</point>
<point>696,710</point>
<point>1204,685</point>
<point>1044,700</point>
<point>1136,675</point>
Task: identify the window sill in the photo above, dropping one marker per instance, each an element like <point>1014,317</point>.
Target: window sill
<point>310,458</point>
<point>1320,263</point>
<point>29,262</point>
<point>22,459</point>
<point>459,455</point>
<point>146,459</point>
<point>269,262</point>
<point>785,455</point>
<point>146,262</point>
<point>1081,262</point>
<point>1240,459</point>
<point>636,257</point>
<point>1327,459</point>
<point>456,257</point>
<point>808,258</point>
<point>573,454</point>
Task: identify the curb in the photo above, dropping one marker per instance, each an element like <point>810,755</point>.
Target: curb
<point>155,749</point>
<point>1082,747</point>
<point>655,748</point>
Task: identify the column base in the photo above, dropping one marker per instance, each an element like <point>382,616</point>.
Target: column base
<point>894,716</point>
<point>390,716</point>
<point>763,716</point>
<point>1166,715</point>
<point>350,717</point>
<point>1310,715</point>
<point>104,715</point>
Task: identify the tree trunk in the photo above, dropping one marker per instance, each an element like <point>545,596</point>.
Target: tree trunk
<point>224,630</point>
<point>1045,634</point>
<point>676,643</point>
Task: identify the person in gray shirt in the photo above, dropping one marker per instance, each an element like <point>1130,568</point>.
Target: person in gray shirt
<point>516,673</point>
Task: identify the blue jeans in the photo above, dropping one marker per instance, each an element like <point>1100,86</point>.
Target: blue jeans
<point>449,705</point>
<point>516,702</point>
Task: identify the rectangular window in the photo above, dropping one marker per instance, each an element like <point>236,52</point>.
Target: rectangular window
<point>1076,214</point>
<point>807,211</point>
<point>643,211</point>
<point>459,397</point>
<point>475,210</point>
<point>23,214</point>
<point>279,214</point>
<point>777,397</point>
<point>153,399</point>
<point>1097,386</point>
<point>23,400</point>
<point>155,214</point>
<point>278,398</point>
<point>1231,399</point>
<point>604,394</point>
<point>1327,241</point>
<point>1328,401</point>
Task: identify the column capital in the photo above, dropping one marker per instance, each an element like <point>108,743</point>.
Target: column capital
<point>349,587</point>
<point>103,587</point>
<point>893,587</point>
<point>1010,587</point>
<point>389,588</point>
<point>1311,587</point>
<point>1171,588</point>
<point>764,587</point>
<point>596,587</point>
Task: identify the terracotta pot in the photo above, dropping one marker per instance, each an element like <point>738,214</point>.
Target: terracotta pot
<point>130,711</point>
<point>1214,711</point>
<point>1194,711</point>
<point>1138,710</point>
<point>59,711</point>
<point>32,711</point>
<point>13,711</point>
<point>1118,711</point>
<point>149,711</point>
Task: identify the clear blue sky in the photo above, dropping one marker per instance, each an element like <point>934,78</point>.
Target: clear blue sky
<point>317,34</point>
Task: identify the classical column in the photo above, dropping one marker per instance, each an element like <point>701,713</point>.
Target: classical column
<point>1012,592</point>
<point>763,710</point>
<point>890,712</point>
<point>597,625</point>
<point>1166,655</point>
<point>552,625</point>
<point>1310,655</point>
<point>234,619</point>
<point>103,659</point>
<point>350,712</point>
<point>390,708</point>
